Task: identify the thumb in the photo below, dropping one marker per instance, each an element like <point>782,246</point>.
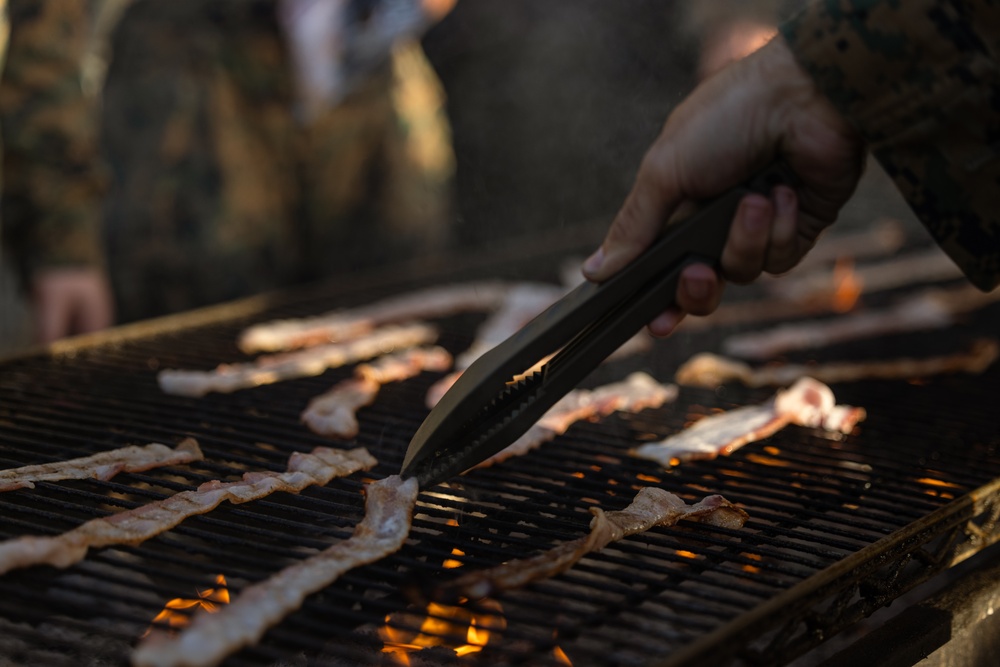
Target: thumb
<point>654,197</point>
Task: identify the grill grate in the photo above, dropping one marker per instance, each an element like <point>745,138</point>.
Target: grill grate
<point>815,503</point>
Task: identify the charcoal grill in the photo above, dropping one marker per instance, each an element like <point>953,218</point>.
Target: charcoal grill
<point>838,528</point>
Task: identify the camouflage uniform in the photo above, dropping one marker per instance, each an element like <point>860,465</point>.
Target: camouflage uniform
<point>919,80</point>
<point>203,186</point>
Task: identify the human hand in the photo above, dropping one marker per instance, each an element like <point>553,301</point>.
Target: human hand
<point>755,110</point>
<point>70,301</point>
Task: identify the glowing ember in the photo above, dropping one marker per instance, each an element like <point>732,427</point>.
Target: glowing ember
<point>768,461</point>
<point>451,562</point>
<point>930,481</point>
<point>441,625</point>
<point>561,657</point>
<point>751,569</point>
<point>686,554</point>
<point>208,599</point>
<point>648,478</point>
<point>846,286</point>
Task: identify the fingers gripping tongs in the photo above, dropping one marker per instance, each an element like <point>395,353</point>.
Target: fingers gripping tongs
<point>496,399</point>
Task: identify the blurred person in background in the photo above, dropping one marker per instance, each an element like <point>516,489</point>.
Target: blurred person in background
<point>160,156</point>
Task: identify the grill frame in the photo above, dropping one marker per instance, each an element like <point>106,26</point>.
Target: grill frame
<point>775,630</point>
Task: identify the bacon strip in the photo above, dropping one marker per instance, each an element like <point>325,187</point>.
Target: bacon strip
<point>925,266</point>
<point>710,370</point>
<point>228,378</point>
<point>807,403</point>
<point>344,325</point>
<point>927,309</point>
<point>651,507</point>
<point>102,466</point>
<point>137,525</point>
<point>211,637</point>
<point>334,413</point>
<point>637,392</point>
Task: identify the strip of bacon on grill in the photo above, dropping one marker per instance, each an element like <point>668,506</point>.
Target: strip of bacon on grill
<point>637,392</point>
<point>211,637</point>
<point>134,526</point>
<point>651,507</point>
<point>923,266</point>
<point>711,370</point>
<point>344,325</point>
<point>806,403</point>
<point>933,308</point>
<point>228,378</point>
<point>104,465</point>
<point>334,413</point>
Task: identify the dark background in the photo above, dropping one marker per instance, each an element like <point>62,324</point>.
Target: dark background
<point>553,104</point>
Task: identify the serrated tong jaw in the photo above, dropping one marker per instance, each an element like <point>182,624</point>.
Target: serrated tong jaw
<point>466,434</point>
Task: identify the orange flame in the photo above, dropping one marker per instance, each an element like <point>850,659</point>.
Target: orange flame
<point>452,562</point>
<point>751,569</point>
<point>439,626</point>
<point>209,599</point>
<point>846,286</point>
<point>561,657</point>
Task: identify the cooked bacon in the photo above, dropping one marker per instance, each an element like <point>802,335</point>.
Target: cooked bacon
<point>881,239</point>
<point>807,403</point>
<point>137,525</point>
<point>932,308</point>
<point>228,378</point>
<point>651,507</point>
<point>334,413</point>
<point>104,465</point>
<point>521,304</point>
<point>637,392</point>
<point>925,266</point>
<point>710,370</point>
<point>211,637</point>
<point>347,324</point>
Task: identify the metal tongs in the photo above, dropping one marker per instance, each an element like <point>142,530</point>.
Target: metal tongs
<point>498,398</point>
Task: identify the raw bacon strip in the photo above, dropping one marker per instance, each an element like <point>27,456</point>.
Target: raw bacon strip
<point>710,370</point>
<point>651,507</point>
<point>343,325</point>
<point>304,363</point>
<point>134,526</point>
<point>211,637</point>
<point>103,466</point>
<point>334,413</point>
<point>928,309</point>
<point>807,403</point>
<point>637,392</point>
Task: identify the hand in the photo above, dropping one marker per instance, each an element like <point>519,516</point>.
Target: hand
<point>70,301</point>
<point>757,109</point>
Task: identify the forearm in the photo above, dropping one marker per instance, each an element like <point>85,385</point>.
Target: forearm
<point>916,79</point>
<point>52,185</point>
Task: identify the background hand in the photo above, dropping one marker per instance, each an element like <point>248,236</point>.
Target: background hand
<point>71,301</point>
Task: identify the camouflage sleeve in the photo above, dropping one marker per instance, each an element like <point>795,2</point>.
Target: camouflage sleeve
<point>50,202</point>
<point>920,81</point>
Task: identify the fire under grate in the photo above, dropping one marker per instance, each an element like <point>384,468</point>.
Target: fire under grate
<point>838,527</point>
